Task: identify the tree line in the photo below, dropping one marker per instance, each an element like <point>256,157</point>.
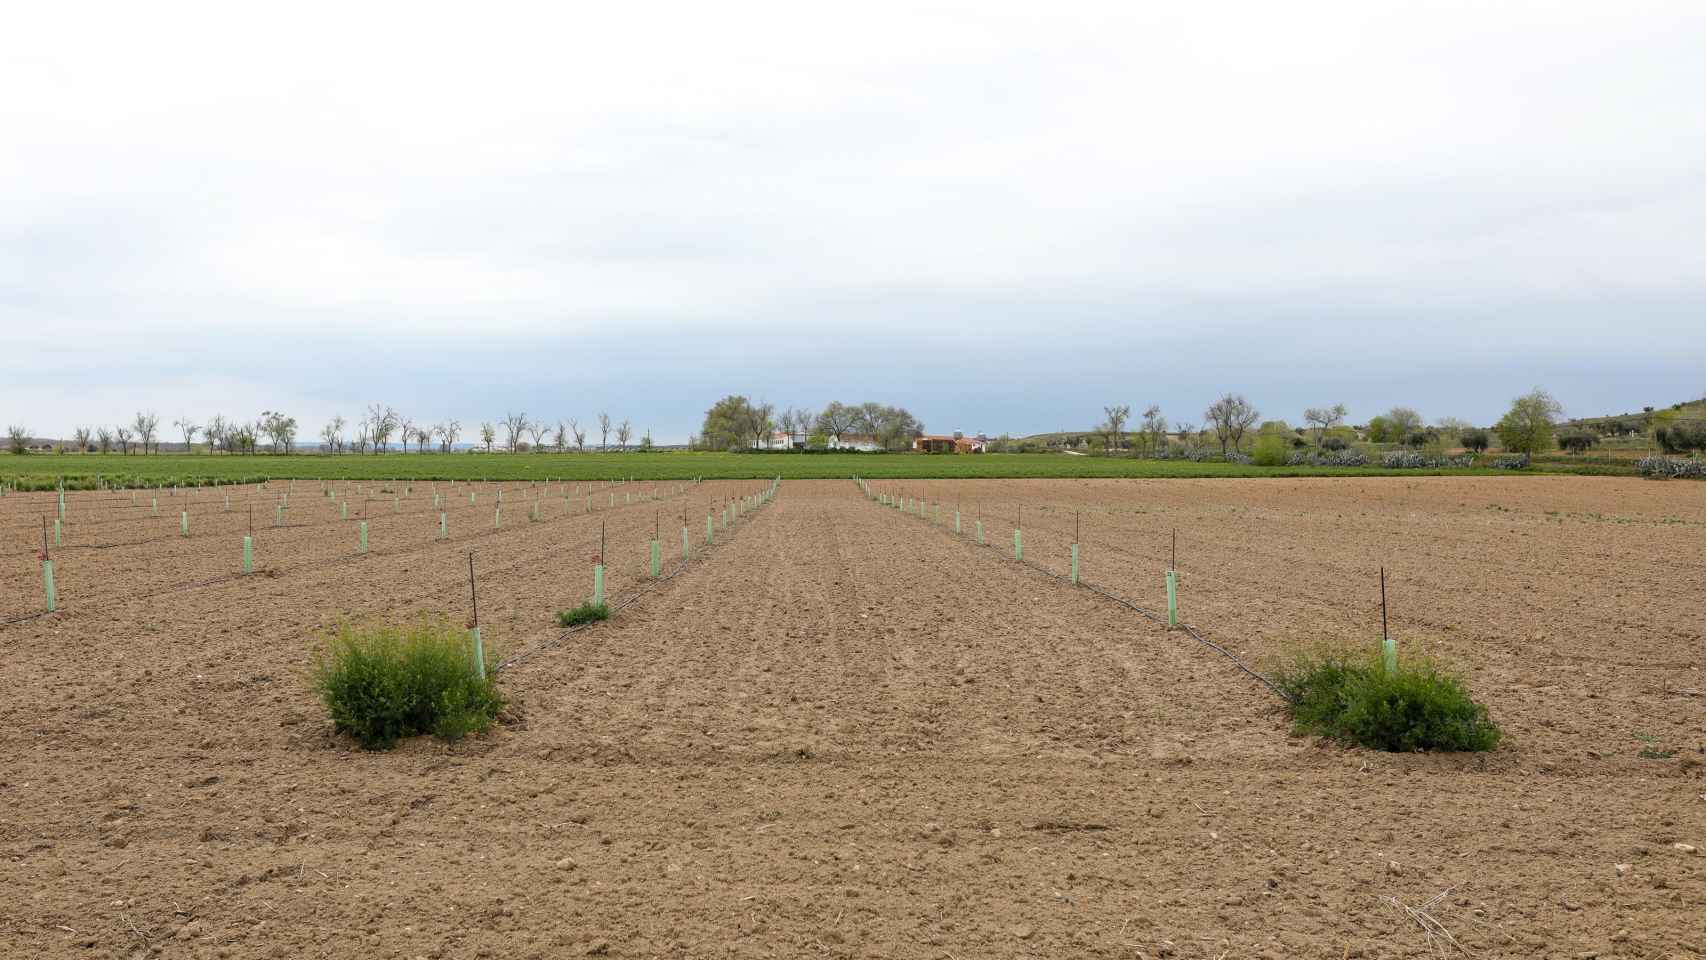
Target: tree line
<point>372,432</point>
<point>735,422</point>
<point>1530,426</point>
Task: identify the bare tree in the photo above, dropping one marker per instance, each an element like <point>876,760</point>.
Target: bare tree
<point>603,432</point>
<point>215,431</point>
<point>423,436</point>
<point>332,435</point>
<point>189,429</point>
<point>146,424</point>
<point>1154,429</point>
<point>406,428</point>
<point>104,438</point>
<point>80,436</point>
<point>381,421</point>
<point>560,437</point>
<point>537,431</point>
<point>623,432</point>
<point>447,432</point>
<point>363,436</point>
<point>579,435</point>
<point>488,434</point>
<point>1323,419</point>
<point>1231,416</point>
<point>18,438</point>
<point>514,424</point>
<point>123,434</point>
<point>1114,428</point>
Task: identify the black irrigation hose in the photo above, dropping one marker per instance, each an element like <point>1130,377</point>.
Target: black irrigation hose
<point>1157,618</point>
<point>285,571</point>
<point>618,607</point>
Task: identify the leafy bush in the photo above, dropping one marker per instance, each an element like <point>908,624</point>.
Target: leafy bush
<point>587,612</point>
<point>1680,437</point>
<point>381,684</point>
<point>1347,458</point>
<point>1577,441</point>
<point>1334,443</point>
<point>1475,439</point>
<point>1272,450</point>
<point>1665,468</point>
<point>1410,460</point>
<point>1351,697</point>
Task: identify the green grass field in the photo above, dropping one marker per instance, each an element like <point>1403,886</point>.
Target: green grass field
<point>36,471</point>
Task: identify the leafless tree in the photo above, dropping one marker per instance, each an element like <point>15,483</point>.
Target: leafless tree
<point>146,425</point>
<point>1114,428</point>
<point>216,431</point>
<point>514,424</point>
<point>537,431</point>
<point>579,435</point>
<point>1154,429</point>
<point>603,432</point>
<point>1323,419</point>
<point>406,428</point>
<point>423,436</point>
<point>1231,416</point>
<point>488,434</point>
<point>80,436</point>
<point>104,438</point>
<point>363,437</point>
<point>123,434</point>
<point>623,432</point>
<point>189,429</point>
<point>381,421</point>
<point>18,438</point>
<point>447,432</point>
<point>332,435</point>
<point>559,438</point>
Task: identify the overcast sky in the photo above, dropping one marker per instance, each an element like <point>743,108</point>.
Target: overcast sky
<point>1002,216</point>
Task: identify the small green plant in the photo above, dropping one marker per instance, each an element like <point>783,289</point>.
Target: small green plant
<point>381,684</point>
<point>1651,749</point>
<point>1349,696</point>
<point>587,612</point>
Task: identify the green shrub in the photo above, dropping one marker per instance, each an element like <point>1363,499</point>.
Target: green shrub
<point>587,612</point>
<point>1350,697</point>
<point>1271,450</point>
<point>381,684</point>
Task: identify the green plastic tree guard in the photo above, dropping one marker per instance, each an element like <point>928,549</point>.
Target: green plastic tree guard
<point>479,653</point>
<point>248,554</point>
<point>1172,598</point>
<point>47,585</point>
<point>363,536</point>
<point>598,584</point>
<point>1075,564</point>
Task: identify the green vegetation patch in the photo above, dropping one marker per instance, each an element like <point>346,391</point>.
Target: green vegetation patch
<point>587,612</point>
<point>381,684</point>
<point>1350,697</point>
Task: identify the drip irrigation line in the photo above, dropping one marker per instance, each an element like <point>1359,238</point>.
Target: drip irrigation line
<point>273,572</point>
<point>1147,614</point>
<point>618,606</point>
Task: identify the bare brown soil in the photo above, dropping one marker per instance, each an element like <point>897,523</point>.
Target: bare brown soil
<point>845,732</point>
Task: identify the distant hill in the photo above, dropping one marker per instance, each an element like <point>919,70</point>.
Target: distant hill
<point>1643,420</point>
